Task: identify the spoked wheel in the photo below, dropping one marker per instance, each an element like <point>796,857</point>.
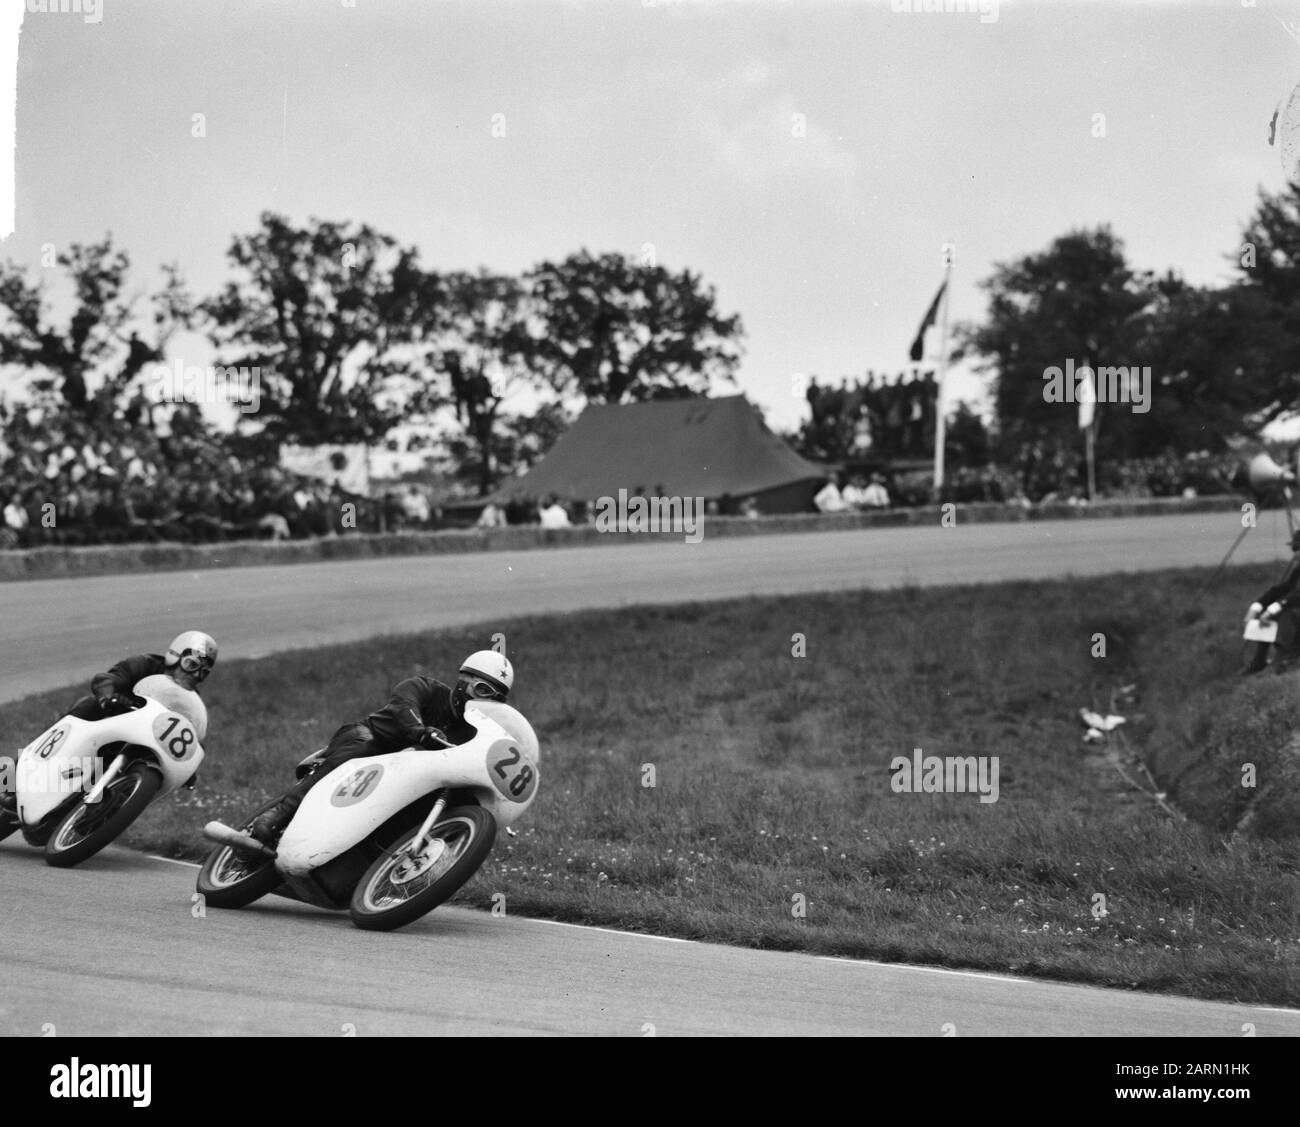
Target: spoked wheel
<point>8,824</point>
<point>90,826</point>
<point>404,885</point>
<point>231,878</point>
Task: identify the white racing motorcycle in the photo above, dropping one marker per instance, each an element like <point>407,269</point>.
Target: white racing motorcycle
<point>80,783</point>
<point>388,837</point>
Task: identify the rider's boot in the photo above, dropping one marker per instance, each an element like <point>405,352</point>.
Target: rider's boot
<point>269,825</point>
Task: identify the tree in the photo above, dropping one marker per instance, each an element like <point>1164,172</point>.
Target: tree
<point>1210,378</point>
<point>328,311</point>
<point>966,438</point>
<point>616,331</point>
<point>1264,307</point>
<point>517,444</point>
<point>480,340</point>
<point>1078,300</point>
<point>86,366</point>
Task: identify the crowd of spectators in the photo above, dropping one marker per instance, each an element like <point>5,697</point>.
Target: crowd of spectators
<point>845,494</point>
<point>71,479</point>
<point>891,419</point>
<point>547,512</point>
<point>1038,477</point>
<point>68,479</point>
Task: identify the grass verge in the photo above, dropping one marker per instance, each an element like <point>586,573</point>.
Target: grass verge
<point>771,821</point>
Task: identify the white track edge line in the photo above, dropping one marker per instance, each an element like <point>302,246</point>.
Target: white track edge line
<point>174,861</point>
<point>1047,981</point>
<point>824,958</point>
<point>610,930</point>
<point>531,919</point>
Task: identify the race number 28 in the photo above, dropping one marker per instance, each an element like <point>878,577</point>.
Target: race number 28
<point>358,785</point>
<point>511,774</point>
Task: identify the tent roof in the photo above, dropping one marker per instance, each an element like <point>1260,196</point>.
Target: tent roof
<point>675,447</point>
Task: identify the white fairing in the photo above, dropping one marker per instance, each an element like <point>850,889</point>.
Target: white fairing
<point>176,697</point>
<point>66,758</point>
<point>500,765</point>
<point>511,719</point>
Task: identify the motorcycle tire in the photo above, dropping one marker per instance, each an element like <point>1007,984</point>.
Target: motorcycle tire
<point>231,879</point>
<point>89,826</point>
<point>398,889</point>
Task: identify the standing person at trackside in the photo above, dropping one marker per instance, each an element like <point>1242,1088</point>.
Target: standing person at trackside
<point>1274,603</point>
<point>188,661</point>
<point>420,713</point>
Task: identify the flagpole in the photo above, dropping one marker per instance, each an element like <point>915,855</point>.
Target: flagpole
<point>1092,474</point>
<point>1090,431</point>
<point>939,420</point>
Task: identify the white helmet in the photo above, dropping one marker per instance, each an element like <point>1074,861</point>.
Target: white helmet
<point>484,675</point>
<point>194,652</point>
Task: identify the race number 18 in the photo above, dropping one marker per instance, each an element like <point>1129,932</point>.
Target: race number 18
<point>175,735</point>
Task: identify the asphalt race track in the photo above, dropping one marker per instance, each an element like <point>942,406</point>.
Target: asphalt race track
<point>281,968</point>
<point>58,631</point>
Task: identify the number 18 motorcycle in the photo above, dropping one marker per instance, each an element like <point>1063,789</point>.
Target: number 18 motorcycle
<point>387,837</point>
<point>80,783</point>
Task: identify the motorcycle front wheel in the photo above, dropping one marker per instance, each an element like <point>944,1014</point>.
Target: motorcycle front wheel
<point>403,885</point>
<point>90,826</point>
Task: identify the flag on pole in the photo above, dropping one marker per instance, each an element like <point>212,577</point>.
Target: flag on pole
<point>1087,397</point>
<point>918,345</point>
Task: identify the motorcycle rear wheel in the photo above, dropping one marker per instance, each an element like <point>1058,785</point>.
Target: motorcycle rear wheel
<point>400,888</point>
<point>231,879</point>
<point>90,826</point>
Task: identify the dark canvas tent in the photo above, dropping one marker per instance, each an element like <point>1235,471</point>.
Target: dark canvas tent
<point>710,448</point>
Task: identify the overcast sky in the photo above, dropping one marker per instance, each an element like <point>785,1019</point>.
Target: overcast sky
<point>630,122</point>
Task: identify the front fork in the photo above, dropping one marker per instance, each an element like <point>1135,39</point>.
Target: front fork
<point>114,769</point>
<point>421,839</point>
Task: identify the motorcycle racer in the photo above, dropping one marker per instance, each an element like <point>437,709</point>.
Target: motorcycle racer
<point>420,713</point>
<point>188,661</point>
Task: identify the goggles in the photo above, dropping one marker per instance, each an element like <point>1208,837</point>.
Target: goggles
<point>480,689</point>
<point>196,666</point>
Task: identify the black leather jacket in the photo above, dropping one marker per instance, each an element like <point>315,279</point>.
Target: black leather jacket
<point>418,703</point>
<point>1285,588</point>
<point>122,677</point>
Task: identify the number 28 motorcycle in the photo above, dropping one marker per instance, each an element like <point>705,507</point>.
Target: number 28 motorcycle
<point>80,783</point>
<point>387,837</point>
